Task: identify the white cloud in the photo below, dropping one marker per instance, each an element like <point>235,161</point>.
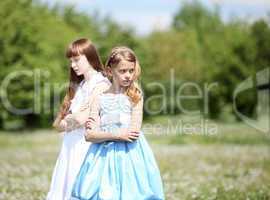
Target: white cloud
<point>244,2</point>
<point>146,16</point>
<point>144,23</point>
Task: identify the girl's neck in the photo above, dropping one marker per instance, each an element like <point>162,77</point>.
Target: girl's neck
<point>117,89</point>
<point>88,74</point>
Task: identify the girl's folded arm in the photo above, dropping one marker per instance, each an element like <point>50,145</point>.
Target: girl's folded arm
<point>94,134</point>
<point>78,119</point>
<point>97,136</point>
<point>136,117</point>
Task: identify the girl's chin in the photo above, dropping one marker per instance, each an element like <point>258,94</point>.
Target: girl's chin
<point>125,84</point>
<point>78,73</point>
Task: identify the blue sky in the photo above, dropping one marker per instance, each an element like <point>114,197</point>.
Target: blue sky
<point>148,15</point>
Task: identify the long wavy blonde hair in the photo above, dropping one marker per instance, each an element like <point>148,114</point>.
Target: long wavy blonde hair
<point>123,53</point>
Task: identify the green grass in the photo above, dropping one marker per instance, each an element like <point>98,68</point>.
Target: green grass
<point>227,133</point>
<point>234,164</point>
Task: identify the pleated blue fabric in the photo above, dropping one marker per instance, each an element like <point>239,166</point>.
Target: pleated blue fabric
<point>118,170</point>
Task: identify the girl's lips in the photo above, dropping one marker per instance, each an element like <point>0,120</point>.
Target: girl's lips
<point>126,82</point>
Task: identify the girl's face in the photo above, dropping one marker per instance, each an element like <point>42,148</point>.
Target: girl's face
<point>80,64</point>
<point>123,73</point>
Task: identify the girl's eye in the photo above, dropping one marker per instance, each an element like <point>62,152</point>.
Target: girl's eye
<point>74,61</point>
<point>131,71</point>
<point>122,71</point>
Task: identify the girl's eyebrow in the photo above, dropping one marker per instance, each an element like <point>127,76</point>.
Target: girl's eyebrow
<point>122,67</point>
<point>126,66</point>
<point>74,59</point>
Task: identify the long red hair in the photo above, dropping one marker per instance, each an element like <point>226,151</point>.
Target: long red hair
<point>79,47</point>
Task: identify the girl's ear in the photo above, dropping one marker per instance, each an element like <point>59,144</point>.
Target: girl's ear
<point>108,71</point>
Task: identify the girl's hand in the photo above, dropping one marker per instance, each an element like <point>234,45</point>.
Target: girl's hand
<point>89,123</point>
<point>128,136</point>
<point>63,124</point>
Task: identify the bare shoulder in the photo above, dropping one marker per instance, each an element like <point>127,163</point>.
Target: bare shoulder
<point>101,87</point>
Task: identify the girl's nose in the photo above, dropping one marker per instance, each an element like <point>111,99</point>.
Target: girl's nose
<point>73,65</point>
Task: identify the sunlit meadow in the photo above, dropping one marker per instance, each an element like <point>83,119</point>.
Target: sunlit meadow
<point>232,164</point>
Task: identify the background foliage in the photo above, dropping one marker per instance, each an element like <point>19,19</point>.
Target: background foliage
<point>199,48</point>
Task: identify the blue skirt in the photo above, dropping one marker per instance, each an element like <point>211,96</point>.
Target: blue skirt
<point>119,171</point>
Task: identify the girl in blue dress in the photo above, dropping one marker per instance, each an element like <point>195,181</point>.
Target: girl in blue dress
<point>119,164</point>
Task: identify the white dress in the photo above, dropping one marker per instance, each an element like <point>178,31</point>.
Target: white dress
<point>74,146</point>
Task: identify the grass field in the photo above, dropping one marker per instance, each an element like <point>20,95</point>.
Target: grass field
<point>232,164</point>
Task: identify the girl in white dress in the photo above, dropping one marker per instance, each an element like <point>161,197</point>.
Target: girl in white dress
<point>86,81</point>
